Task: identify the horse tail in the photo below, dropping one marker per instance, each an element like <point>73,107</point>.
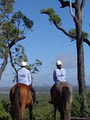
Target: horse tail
<point>65,96</point>
<point>17,104</point>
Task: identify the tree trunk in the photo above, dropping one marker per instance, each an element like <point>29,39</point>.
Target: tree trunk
<point>80,57</point>
<point>3,66</point>
<point>80,68</point>
<point>81,73</point>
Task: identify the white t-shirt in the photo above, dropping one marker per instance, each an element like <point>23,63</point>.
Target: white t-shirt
<point>59,75</point>
<point>24,76</point>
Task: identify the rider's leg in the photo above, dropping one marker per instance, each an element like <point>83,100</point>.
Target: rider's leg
<point>33,94</point>
<point>51,93</point>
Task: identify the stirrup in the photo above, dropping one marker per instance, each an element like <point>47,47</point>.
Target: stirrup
<point>51,102</point>
<point>36,102</point>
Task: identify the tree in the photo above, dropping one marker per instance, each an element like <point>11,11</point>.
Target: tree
<point>75,34</point>
<point>13,26</point>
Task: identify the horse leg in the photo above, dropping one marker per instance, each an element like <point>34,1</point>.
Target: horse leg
<point>22,111</point>
<point>12,112</point>
<point>55,110</point>
<point>65,114</point>
<point>62,114</point>
<point>30,112</point>
<point>12,107</point>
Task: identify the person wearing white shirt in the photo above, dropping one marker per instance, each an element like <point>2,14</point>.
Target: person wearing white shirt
<point>59,75</point>
<point>24,77</point>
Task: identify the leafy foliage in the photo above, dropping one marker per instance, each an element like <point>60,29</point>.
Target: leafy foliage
<point>6,6</point>
<point>6,106</point>
<point>76,105</point>
<point>73,32</point>
<point>4,115</point>
<point>13,26</point>
<point>53,17</point>
<point>34,66</point>
<point>19,54</point>
<point>20,16</point>
<point>43,110</point>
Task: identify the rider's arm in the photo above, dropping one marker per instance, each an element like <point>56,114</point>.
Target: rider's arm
<point>65,74</point>
<point>16,77</point>
<point>54,76</point>
<point>29,78</point>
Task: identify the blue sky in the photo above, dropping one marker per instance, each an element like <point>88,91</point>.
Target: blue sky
<point>48,43</point>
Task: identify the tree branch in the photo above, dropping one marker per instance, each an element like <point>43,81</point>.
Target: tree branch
<point>64,31</point>
<point>66,4</point>
<point>3,66</point>
<point>82,5</point>
<point>10,53</point>
<point>15,41</point>
<point>86,41</point>
<point>4,14</point>
<point>72,14</point>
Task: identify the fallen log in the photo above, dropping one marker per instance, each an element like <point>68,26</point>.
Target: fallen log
<point>76,118</point>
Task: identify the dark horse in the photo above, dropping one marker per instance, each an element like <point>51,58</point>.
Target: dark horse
<point>20,98</point>
<point>61,96</point>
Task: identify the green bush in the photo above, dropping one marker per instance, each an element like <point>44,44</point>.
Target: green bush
<point>43,110</point>
<point>75,111</point>
<point>6,106</point>
<point>76,105</point>
<point>4,115</point>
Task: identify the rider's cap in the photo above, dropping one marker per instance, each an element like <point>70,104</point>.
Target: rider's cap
<point>23,64</point>
<point>58,62</point>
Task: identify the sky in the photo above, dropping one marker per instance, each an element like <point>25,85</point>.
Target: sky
<point>48,44</point>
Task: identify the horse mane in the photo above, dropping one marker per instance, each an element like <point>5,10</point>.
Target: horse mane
<point>17,103</point>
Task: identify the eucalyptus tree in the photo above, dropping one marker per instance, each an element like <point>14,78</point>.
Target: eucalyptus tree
<point>13,26</point>
<point>76,34</point>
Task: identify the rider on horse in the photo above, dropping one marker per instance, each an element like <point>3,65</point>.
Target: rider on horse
<point>59,75</point>
<point>24,77</point>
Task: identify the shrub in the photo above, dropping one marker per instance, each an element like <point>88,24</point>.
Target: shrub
<point>76,105</point>
<point>4,115</point>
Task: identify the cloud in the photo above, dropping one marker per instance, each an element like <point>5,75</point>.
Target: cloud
<point>45,77</point>
<point>68,61</point>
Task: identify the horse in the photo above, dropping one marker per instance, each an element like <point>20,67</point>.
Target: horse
<point>20,98</point>
<point>61,97</point>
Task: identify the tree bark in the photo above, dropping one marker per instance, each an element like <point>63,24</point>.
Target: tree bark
<point>80,57</point>
<point>81,73</point>
<point>3,66</point>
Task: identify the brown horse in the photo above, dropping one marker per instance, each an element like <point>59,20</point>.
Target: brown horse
<point>20,98</point>
<point>61,96</point>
